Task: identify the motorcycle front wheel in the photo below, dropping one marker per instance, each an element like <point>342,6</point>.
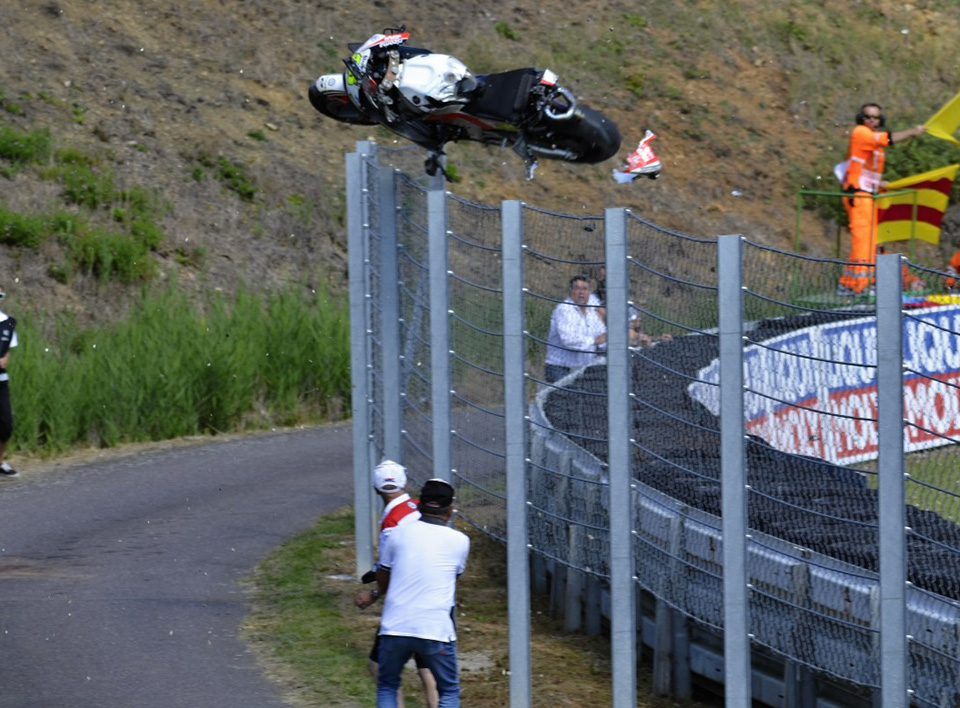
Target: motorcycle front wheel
<point>588,136</point>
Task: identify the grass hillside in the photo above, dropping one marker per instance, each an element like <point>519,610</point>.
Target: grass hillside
<point>179,139</point>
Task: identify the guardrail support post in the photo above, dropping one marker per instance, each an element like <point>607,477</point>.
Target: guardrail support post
<point>623,586</point>
<point>516,422</point>
<point>892,512</point>
<point>736,635</point>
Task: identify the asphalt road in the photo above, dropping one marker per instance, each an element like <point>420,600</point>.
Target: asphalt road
<point>120,578</point>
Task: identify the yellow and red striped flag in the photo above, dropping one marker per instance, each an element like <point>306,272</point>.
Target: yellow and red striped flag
<point>895,215</point>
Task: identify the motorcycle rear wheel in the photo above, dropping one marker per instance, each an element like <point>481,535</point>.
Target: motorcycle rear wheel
<point>588,137</point>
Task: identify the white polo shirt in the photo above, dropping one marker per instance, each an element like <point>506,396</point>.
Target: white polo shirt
<point>572,333</point>
<point>424,560</point>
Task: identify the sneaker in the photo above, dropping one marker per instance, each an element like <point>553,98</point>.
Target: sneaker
<point>7,471</point>
<point>643,161</point>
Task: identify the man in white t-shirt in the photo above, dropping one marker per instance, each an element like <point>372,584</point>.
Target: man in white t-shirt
<point>417,576</point>
<point>577,331</point>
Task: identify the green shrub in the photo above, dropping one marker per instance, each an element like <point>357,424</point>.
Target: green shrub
<point>147,232</point>
<point>234,178</point>
<point>634,83</point>
<point>59,272</point>
<point>506,31</point>
<point>30,230</point>
<point>74,156</point>
<point>139,201</point>
<point>24,148</point>
<point>110,254</point>
<point>21,229</point>
<point>230,174</point>
<point>86,185</point>
<point>193,257</point>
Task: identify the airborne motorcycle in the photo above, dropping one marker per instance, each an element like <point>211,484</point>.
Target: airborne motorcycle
<point>433,99</point>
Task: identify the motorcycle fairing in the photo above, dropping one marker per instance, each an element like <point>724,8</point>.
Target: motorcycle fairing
<point>431,82</point>
<point>328,95</point>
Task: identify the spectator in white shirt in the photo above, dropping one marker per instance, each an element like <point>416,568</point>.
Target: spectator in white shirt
<point>577,331</point>
<point>417,575</point>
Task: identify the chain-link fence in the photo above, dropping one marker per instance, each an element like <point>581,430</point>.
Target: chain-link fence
<point>826,496</point>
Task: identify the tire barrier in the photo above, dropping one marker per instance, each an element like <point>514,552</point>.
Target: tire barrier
<point>813,554</point>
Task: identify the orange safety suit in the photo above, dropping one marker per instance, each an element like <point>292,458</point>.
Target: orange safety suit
<point>865,159</point>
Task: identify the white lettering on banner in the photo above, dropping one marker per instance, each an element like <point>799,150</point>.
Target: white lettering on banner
<point>813,391</point>
<point>932,410</point>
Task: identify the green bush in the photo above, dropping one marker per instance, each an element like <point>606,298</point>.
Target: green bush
<point>30,230</point>
<point>21,148</point>
<point>506,31</point>
<point>87,186</point>
<point>111,254</point>
<point>230,174</point>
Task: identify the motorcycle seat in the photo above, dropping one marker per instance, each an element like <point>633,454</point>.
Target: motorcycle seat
<point>503,96</point>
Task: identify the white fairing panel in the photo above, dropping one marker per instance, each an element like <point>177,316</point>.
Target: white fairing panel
<point>331,83</point>
<point>430,79</point>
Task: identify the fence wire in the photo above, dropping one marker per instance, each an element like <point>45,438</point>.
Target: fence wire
<point>476,338</point>
<point>415,341</point>
<point>810,400</point>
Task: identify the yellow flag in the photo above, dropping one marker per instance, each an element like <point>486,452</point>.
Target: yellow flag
<point>916,214</point>
<point>944,123</point>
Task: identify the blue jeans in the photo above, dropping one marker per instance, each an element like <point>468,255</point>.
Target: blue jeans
<point>439,657</point>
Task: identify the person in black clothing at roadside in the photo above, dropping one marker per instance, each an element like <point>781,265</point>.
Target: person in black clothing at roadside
<point>8,340</point>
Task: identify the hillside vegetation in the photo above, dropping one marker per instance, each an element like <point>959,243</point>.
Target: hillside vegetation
<point>178,135</point>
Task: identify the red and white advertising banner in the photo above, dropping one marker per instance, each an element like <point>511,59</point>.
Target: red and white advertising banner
<point>814,391</point>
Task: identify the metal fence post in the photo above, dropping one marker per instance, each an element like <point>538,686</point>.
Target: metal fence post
<point>736,635</point>
<point>623,631</point>
<point>440,376</point>
<point>516,421</point>
<point>390,313</point>
<point>359,354</point>
<point>892,499</point>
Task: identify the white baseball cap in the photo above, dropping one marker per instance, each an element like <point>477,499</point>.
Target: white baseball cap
<point>389,476</point>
